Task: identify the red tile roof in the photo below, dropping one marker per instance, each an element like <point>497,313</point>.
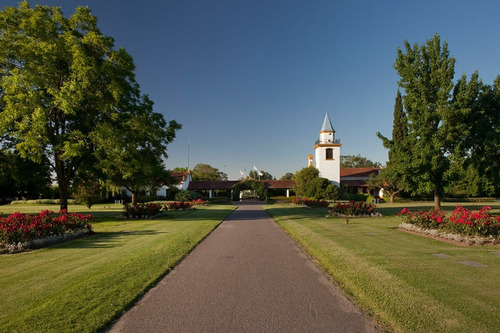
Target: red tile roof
<point>358,172</point>
<point>180,176</point>
<point>280,184</point>
<point>195,185</point>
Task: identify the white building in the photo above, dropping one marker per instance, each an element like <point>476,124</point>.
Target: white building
<point>327,153</point>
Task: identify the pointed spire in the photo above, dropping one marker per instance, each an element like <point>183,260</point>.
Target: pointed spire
<point>327,125</point>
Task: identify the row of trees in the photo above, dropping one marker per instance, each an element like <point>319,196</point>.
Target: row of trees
<point>446,135</point>
<point>203,171</point>
<point>69,98</point>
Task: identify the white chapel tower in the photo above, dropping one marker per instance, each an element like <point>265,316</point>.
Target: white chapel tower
<point>327,153</point>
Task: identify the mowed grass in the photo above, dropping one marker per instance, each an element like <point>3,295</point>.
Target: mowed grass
<point>82,285</point>
<point>100,212</point>
<point>392,274</point>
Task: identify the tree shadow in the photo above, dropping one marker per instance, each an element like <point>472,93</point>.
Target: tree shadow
<point>105,239</point>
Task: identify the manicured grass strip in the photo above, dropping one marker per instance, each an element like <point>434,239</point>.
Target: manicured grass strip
<point>393,275</point>
<point>82,285</point>
<point>100,212</point>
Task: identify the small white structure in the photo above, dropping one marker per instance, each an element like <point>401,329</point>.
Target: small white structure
<point>183,180</point>
<point>327,153</point>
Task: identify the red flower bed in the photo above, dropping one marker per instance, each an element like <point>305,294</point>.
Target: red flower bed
<point>140,210</point>
<point>461,221</point>
<point>197,202</point>
<point>352,208</point>
<point>20,227</point>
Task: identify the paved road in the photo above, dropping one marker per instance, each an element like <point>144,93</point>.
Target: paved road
<point>247,276</point>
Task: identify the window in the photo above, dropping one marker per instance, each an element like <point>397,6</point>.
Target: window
<point>329,154</point>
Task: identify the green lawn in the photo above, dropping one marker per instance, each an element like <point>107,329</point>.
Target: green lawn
<point>392,274</point>
<point>84,284</point>
<point>100,212</point>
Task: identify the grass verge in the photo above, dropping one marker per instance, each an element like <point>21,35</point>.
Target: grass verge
<point>82,285</point>
<point>394,276</point>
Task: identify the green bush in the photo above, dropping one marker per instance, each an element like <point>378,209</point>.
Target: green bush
<point>187,196</point>
<point>42,202</point>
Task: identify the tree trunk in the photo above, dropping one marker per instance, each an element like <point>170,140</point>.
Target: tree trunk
<point>62,181</point>
<point>437,199</point>
<point>391,198</point>
<point>63,196</point>
<point>134,198</point>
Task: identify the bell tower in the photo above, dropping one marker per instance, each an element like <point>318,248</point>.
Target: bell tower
<point>327,153</point>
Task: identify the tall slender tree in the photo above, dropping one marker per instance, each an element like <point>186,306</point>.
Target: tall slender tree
<point>426,73</point>
<point>392,177</point>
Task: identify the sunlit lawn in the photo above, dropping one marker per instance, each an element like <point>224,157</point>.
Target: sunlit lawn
<point>100,212</point>
<point>392,274</point>
<point>82,285</point>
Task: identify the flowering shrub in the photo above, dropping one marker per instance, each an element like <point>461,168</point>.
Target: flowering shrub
<point>298,201</point>
<point>20,227</point>
<point>310,203</point>
<point>431,219</point>
<point>140,210</point>
<point>178,205</point>
<point>197,202</point>
<point>461,221</point>
<point>352,208</point>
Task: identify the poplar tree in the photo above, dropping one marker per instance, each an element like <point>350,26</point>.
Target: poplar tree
<point>426,73</point>
<point>392,177</point>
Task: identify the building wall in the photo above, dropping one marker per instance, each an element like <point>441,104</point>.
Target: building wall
<point>329,169</point>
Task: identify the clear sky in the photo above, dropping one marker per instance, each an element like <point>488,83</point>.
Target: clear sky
<point>250,81</point>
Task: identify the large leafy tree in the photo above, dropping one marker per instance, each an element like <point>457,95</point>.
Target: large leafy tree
<point>357,161</point>
<point>207,172</point>
<point>476,148</point>
<point>287,176</point>
<point>260,175</point>
<point>426,73</point>
<point>309,184</point>
<point>64,89</point>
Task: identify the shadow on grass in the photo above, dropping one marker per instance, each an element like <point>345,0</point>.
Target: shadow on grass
<point>195,215</point>
<point>296,213</point>
<point>105,239</point>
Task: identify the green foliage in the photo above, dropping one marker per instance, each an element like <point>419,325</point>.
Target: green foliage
<point>68,94</point>
<point>207,172</point>
<point>476,153</point>
<point>426,73</point>
<point>23,178</point>
<point>185,196</point>
<point>355,196</point>
<point>88,192</point>
<point>309,185</point>
<point>393,177</point>
<point>357,161</point>
<point>260,175</point>
<point>352,208</point>
<point>287,176</point>
<point>257,187</point>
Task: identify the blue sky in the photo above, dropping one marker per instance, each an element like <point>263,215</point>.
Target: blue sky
<point>250,81</point>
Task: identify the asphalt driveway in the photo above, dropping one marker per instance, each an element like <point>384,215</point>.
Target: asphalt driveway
<point>247,276</point>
